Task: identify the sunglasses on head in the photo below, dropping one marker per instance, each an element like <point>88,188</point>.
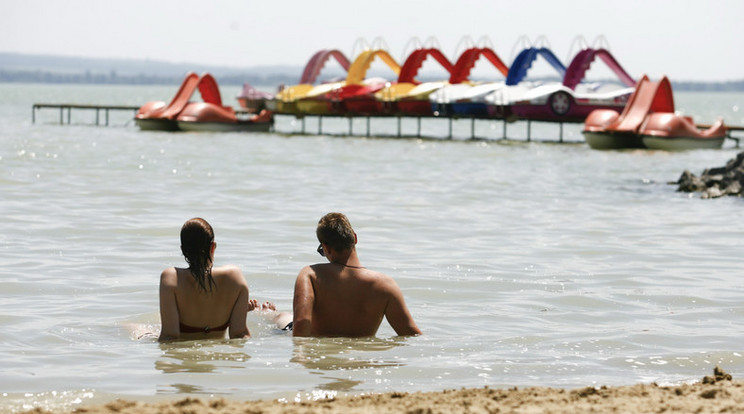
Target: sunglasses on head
<point>320,250</point>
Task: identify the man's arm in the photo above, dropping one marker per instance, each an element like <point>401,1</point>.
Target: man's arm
<point>397,313</point>
<point>302,305</point>
<point>168,307</point>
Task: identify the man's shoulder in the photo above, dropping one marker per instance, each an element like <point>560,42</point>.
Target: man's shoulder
<point>381,279</point>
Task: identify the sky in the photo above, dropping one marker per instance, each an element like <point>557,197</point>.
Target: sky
<point>683,39</point>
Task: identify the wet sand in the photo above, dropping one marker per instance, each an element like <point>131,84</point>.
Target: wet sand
<point>713,394</point>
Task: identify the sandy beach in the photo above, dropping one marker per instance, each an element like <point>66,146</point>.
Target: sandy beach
<point>713,394</point>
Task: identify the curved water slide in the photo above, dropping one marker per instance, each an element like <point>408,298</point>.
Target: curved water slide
<point>648,97</point>
<point>469,57</point>
<point>524,60</point>
<point>407,85</point>
<point>159,110</point>
<point>358,69</point>
<point>208,89</point>
<point>318,61</point>
<point>583,60</point>
<point>416,59</point>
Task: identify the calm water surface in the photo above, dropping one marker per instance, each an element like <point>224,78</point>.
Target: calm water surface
<point>524,263</point>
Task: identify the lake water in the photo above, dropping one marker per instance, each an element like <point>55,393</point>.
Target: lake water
<point>524,263</point>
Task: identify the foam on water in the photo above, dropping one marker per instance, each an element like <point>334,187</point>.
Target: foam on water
<point>523,263</point>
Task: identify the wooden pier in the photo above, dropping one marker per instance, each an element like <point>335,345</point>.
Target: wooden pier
<point>69,107</point>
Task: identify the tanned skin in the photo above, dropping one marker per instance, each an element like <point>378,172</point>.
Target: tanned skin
<point>342,298</point>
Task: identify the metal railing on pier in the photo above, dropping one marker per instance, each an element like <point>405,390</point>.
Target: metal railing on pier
<point>66,107</point>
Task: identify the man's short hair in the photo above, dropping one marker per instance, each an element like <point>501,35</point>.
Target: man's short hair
<point>335,231</point>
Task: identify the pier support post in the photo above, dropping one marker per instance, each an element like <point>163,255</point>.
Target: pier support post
<point>450,128</point>
<point>472,128</point>
<point>351,126</point>
<point>529,130</point>
<point>33,114</point>
<point>418,127</point>
<point>320,124</point>
<point>398,127</point>
<point>368,132</point>
<point>561,134</point>
<point>503,129</point>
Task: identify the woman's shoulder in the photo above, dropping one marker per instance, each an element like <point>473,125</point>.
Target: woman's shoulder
<point>229,272</point>
<point>169,276</point>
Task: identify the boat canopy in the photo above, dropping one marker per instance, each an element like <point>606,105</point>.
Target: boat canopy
<point>416,59</point>
<point>523,62</point>
<point>358,69</point>
<point>581,62</point>
<point>318,60</point>
<point>467,59</point>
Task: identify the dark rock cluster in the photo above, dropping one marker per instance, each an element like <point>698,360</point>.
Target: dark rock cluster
<point>716,182</point>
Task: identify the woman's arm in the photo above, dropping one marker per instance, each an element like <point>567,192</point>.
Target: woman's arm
<point>304,299</point>
<point>242,306</point>
<point>168,307</point>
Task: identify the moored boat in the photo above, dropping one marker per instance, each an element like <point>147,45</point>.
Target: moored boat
<point>671,132</point>
<point>159,116</point>
<point>206,117</point>
<point>252,99</point>
<point>649,121</point>
<point>572,100</point>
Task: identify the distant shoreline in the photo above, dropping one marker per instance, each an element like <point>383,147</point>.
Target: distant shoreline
<point>26,68</point>
<point>87,78</point>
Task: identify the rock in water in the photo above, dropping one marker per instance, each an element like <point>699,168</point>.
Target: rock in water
<point>716,182</point>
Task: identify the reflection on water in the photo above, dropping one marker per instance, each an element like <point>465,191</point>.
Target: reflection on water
<point>338,384</point>
<point>328,354</point>
<point>188,389</point>
<point>199,356</point>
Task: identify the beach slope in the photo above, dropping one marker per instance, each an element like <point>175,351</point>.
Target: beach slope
<point>713,394</point>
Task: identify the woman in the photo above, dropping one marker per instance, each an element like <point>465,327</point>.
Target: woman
<point>202,301</point>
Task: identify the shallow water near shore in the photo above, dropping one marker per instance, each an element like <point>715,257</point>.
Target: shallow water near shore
<point>524,263</point>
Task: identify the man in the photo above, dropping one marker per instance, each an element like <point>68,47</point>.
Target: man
<point>343,298</point>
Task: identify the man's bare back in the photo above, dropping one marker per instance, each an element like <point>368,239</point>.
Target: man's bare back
<point>342,298</point>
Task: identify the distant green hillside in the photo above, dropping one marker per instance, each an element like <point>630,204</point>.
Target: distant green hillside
<point>16,67</point>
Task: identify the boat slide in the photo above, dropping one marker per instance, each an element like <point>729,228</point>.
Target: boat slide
<point>407,83</point>
<point>576,70</point>
<point>649,121</point>
<point>524,60</point>
<point>158,116</point>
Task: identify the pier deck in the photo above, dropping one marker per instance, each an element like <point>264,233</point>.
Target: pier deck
<point>68,107</point>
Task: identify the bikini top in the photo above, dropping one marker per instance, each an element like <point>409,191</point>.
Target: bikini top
<point>193,329</point>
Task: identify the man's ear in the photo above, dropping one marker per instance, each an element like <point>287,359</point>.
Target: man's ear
<point>355,238</point>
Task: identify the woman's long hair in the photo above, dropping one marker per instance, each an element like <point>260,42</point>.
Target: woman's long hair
<point>196,242</point>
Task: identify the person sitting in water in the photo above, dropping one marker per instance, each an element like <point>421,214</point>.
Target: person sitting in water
<point>343,298</point>
<point>202,301</point>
